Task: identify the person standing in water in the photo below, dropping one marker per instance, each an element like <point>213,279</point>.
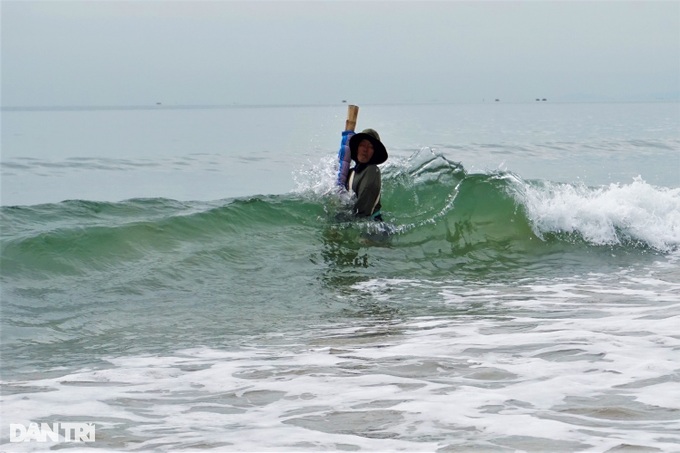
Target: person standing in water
<point>364,180</point>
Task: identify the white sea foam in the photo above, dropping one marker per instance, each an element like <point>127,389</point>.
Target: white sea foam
<point>318,177</point>
<point>580,364</point>
<point>606,215</point>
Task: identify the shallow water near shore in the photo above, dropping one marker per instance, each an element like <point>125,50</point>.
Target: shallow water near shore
<point>180,278</point>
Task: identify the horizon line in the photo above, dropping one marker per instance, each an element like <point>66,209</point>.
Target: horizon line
<point>161,106</point>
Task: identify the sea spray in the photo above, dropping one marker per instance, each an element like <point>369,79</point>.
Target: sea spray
<point>430,203</point>
<point>636,213</point>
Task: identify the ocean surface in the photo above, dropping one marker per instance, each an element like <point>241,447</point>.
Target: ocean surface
<point>186,279</point>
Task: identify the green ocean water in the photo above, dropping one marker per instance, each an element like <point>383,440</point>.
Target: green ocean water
<point>488,300</point>
<point>142,266</point>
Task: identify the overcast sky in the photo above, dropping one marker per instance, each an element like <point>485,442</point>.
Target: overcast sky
<point>319,52</point>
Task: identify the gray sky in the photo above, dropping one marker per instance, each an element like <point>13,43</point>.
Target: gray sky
<point>319,52</point>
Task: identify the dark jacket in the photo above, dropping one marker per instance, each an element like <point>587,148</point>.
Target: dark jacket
<point>366,184</point>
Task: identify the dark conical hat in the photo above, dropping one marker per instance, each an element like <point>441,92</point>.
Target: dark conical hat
<point>379,150</point>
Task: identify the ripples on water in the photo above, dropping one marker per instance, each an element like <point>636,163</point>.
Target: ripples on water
<point>496,311</point>
<point>543,366</point>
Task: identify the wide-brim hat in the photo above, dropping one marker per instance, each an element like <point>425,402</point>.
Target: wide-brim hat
<point>379,150</point>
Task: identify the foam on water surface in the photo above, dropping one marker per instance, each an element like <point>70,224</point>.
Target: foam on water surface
<point>564,366</point>
<point>607,215</point>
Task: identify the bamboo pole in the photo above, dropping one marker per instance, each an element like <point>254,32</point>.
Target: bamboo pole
<point>352,115</point>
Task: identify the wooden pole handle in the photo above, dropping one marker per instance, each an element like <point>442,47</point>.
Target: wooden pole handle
<point>352,115</point>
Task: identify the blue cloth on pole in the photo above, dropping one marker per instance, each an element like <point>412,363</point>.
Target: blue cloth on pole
<point>344,158</point>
